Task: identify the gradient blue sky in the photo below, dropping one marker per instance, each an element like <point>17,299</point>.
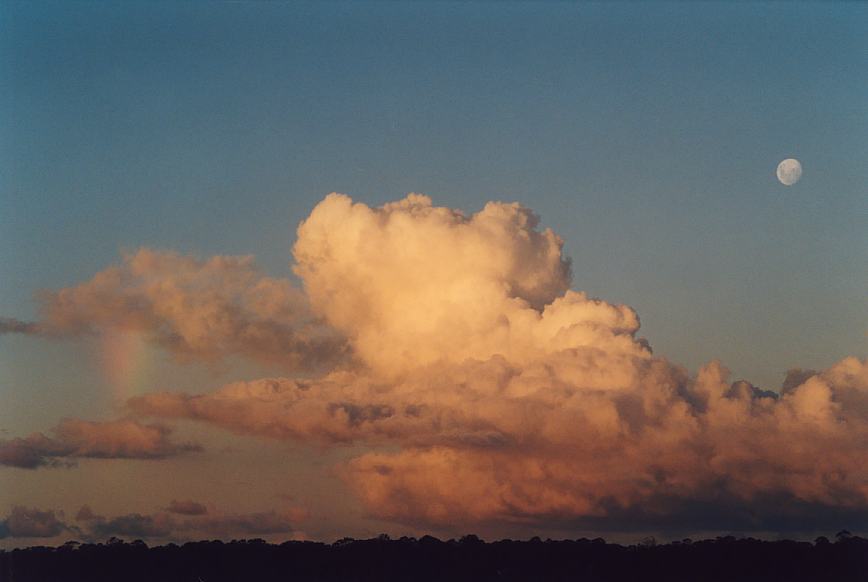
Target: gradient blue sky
<point>646,135</point>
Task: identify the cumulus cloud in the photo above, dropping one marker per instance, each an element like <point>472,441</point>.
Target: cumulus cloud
<point>196,309</point>
<point>74,438</point>
<point>411,283</point>
<point>482,388</point>
<point>488,391</point>
<point>24,522</point>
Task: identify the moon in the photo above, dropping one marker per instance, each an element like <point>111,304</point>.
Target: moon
<point>789,171</point>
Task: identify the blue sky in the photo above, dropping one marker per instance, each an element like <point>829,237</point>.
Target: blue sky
<point>645,134</point>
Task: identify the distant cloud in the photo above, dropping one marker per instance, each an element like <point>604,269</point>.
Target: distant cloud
<point>23,522</point>
<point>167,526</point>
<point>133,525</point>
<point>85,514</point>
<point>262,523</point>
<point>196,309</point>
<point>74,438</point>
<point>187,507</point>
<point>12,325</point>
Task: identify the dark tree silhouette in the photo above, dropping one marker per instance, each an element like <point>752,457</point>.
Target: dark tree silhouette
<point>429,559</point>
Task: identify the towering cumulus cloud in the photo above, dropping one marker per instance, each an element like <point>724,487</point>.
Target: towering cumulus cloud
<point>485,391</point>
<point>204,309</point>
<point>411,284</point>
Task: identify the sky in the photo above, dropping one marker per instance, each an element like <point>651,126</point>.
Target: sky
<point>438,362</point>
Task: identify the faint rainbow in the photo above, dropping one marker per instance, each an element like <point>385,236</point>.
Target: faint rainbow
<point>126,361</point>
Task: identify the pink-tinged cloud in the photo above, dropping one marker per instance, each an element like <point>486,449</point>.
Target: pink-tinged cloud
<point>74,439</point>
<point>482,387</point>
<point>412,284</point>
<point>196,309</point>
<point>488,392</point>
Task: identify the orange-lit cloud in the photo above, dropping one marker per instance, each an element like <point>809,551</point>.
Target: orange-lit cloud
<point>483,388</point>
<point>196,309</point>
<point>74,438</point>
<point>512,399</point>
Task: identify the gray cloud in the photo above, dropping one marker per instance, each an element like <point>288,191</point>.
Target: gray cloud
<point>165,525</point>
<point>23,522</point>
<point>187,507</point>
<point>75,438</point>
<point>12,325</point>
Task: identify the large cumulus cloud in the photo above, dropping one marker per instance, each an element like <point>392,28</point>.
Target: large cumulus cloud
<point>412,284</point>
<point>488,392</point>
<point>481,388</point>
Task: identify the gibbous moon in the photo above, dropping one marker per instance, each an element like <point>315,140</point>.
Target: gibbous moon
<point>789,171</point>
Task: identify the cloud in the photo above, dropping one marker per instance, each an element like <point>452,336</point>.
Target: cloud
<point>133,525</point>
<point>85,514</point>
<point>165,525</point>
<point>411,284</point>
<point>12,325</point>
<point>483,390</point>
<point>261,523</point>
<point>23,522</point>
<point>75,438</point>
<point>488,392</point>
<point>187,507</point>
<point>196,309</point>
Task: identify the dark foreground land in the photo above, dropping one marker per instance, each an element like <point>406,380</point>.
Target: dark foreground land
<point>429,559</point>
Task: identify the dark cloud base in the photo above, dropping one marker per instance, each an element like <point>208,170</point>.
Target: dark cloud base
<point>429,559</point>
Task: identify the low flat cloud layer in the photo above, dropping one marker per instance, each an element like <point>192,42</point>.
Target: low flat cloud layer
<point>24,522</point>
<point>481,388</point>
<point>165,525</point>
